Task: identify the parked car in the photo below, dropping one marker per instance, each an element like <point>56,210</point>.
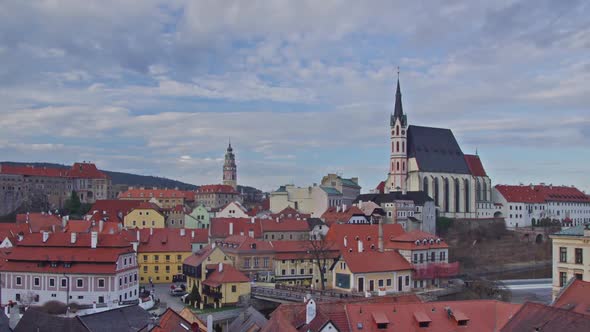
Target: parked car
<point>177,291</point>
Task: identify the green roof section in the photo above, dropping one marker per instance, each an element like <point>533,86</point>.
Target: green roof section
<point>572,231</point>
<point>349,183</point>
<point>331,191</point>
<point>282,189</point>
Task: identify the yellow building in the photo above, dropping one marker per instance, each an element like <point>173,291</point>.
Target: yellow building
<point>571,255</point>
<point>161,252</point>
<point>215,278</point>
<point>372,271</point>
<point>146,215</point>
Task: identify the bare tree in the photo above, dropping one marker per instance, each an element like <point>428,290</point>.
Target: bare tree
<point>322,251</point>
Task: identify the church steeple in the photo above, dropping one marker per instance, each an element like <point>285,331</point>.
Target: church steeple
<point>398,112</point>
<point>230,170</point>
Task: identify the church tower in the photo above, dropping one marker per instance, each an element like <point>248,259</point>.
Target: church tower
<point>398,166</point>
<point>230,171</point>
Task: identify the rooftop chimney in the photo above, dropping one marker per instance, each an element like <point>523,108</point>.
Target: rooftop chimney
<point>151,231</point>
<point>45,236</point>
<point>93,239</point>
<point>360,245</point>
<point>251,233</point>
<point>253,219</point>
<point>231,228</point>
<point>345,241</point>
<point>193,234</point>
<point>182,232</point>
<point>73,237</point>
<point>310,311</point>
<point>220,267</point>
<point>100,225</point>
<point>138,236</point>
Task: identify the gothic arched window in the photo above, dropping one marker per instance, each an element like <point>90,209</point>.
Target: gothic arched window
<point>436,197</point>
<point>466,195</point>
<point>457,195</point>
<point>478,190</point>
<point>397,166</point>
<point>403,166</point>
<point>397,130</point>
<point>397,146</point>
<point>446,194</point>
<point>403,146</point>
<point>485,191</point>
<point>425,185</point>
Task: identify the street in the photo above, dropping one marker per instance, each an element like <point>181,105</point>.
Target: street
<point>162,292</point>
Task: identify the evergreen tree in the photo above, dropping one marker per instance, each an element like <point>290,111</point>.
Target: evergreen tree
<point>73,203</point>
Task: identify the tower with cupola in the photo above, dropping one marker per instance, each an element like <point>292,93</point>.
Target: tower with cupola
<point>230,170</point>
<point>398,163</point>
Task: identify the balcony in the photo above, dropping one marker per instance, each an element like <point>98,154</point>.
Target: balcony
<point>436,270</point>
<point>212,293</point>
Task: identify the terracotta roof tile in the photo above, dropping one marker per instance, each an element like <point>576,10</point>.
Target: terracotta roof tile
<point>575,297</point>
<point>220,227</point>
<point>229,274</point>
<point>375,261</point>
<point>85,171</point>
<point>39,221</point>
<point>541,193</point>
<point>285,225</point>
<point>539,317</point>
<point>216,188</point>
<point>475,165</point>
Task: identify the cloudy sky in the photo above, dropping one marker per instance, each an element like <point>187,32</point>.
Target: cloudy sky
<point>302,87</point>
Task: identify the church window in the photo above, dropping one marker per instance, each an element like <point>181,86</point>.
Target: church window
<point>467,195</point>
<point>478,194</point>
<point>485,191</point>
<point>403,146</point>
<point>403,166</point>
<point>397,130</point>
<point>397,166</point>
<point>457,195</point>
<point>436,188</point>
<point>396,146</point>
<point>446,194</point>
<point>425,185</point>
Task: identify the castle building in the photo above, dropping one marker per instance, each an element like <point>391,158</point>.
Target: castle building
<point>230,171</point>
<point>430,160</point>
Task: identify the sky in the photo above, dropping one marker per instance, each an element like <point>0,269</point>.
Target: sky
<point>302,88</point>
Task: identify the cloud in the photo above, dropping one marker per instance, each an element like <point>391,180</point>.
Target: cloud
<point>301,87</point>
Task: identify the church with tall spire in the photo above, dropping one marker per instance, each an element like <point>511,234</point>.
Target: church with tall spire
<point>430,160</point>
<point>230,170</point>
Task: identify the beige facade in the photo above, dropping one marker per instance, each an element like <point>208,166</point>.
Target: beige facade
<point>571,255</point>
<point>144,218</point>
<point>390,281</point>
<point>314,200</point>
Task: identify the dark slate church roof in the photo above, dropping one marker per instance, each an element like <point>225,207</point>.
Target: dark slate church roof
<point>436,150</point>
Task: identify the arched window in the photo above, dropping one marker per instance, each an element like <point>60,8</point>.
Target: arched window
<point>457,196</point>
<point>446,194</point>
<point>398,165</point>
<point>397,130</point>
<point>392,147</point>
<point>403,166</point>
<point>425,185</point>
<point>466,195</point>
<point>478,190</point>
<point>485,191</point>
<point>436,197</point>
<point>403,146</point>
<point>397,146</point>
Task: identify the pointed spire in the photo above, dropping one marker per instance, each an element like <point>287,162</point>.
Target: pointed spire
<point>398,111</point>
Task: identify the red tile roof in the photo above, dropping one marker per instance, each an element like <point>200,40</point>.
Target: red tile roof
<point>575,297</point>
<point>541,194</point>
<point>242,243</point>
<point>155,193</point>
<point>39,221</point>
<point>171,321</point>
<point>200,256</point>
<point>332,215</point>
<point>229,274</point>
<point>408,241</point>
<point>380,187</point>
<point>475,165</point>
<point>539,317</point>
<point>220,227</point>
<point>216,188</point>
<point>289,212</point>
<point>375,261</point>
<point>367,233</point>
<point>31,170</point>
<point>165,240</point>
<point>85,171</point>
<point>482,315</point>
<point>31,251</point>
<point>284,225</point>
<point>116,209</point>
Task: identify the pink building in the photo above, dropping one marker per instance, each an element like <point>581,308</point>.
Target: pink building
<point>84,268</point>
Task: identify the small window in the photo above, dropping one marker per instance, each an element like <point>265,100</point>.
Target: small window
<point>80,283</point>
<point>234,288</point>
<point>51,282</point>
<point>19,281</point>
<point>64,282</point>
<point>101,283</point>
